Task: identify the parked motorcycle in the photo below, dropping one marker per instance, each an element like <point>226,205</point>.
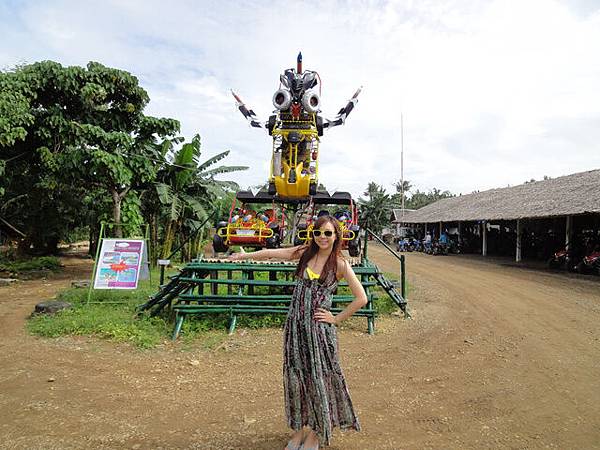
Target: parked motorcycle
<point>403,245</point>
<point>562,259</point>
<point>590,263</point>
<point>439,248</point>
<point>454,247</point>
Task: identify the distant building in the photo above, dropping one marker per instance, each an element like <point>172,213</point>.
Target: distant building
<point>537,217</point>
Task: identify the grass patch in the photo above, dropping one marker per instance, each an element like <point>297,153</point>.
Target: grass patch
<point>36,263</point>
<point>383,303</point>
<point>114,322</point>
<point>111,314</point>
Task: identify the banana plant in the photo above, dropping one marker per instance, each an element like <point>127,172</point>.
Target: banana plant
<point>188,191</point>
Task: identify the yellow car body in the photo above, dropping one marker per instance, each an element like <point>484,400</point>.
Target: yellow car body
<point>294,163</point>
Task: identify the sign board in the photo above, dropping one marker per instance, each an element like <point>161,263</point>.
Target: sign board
<point>118,266</point>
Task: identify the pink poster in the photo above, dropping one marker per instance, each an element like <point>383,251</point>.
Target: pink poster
<point>118,266</point>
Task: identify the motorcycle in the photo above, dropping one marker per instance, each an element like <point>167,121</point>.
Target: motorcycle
<point>403,245</point>
<point>439,248</point>
<point>418,245</point>
<point>590,263</point>
<point>454,247</point>
<point>562,259</point>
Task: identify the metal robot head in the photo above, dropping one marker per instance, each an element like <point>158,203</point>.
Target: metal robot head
<point>296,89</point>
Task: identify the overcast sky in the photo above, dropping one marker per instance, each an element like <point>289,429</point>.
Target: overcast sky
<point>493,93</point>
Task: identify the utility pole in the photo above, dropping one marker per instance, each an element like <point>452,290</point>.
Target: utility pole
<point>402,164</point>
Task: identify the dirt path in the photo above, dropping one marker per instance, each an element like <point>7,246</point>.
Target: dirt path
<point>495,357</point>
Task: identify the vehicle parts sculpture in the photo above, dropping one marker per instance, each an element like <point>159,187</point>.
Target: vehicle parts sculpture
<point>296,127</point>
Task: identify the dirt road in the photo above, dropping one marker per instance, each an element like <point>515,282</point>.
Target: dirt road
<point>495,357</point>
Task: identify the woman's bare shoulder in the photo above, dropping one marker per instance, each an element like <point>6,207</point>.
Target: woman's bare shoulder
<point>342,267</point>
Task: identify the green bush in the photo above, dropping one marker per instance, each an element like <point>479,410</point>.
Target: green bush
<point>23,265</point>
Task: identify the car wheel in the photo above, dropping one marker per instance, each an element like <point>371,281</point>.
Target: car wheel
<point>219,245</point>
<point>354,247</point>
<point>273,241</point>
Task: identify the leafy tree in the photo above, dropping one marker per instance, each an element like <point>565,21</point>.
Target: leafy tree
<point>375,209</point>
<point>419,199</point>
<point>74,130</point>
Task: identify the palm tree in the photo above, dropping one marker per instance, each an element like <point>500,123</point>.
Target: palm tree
<point>375,209</point>
<point>188,191</point>
<point>402,189</point>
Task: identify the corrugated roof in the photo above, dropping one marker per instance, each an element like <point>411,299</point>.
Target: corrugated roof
<point>569,195</point>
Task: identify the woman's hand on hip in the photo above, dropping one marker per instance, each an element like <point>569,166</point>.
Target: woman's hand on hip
<point>324,315</point>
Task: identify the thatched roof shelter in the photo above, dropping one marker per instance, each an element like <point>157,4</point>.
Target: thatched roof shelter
<point>563,196</point>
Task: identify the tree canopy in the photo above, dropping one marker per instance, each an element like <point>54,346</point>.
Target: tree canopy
<point>76,147</point>
<point>376,207</point>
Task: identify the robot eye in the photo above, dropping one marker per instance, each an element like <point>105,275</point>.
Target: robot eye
<point>282,99</point>
<point>311,101</point>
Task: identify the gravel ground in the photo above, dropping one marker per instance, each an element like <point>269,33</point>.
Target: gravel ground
<point>494,357</point>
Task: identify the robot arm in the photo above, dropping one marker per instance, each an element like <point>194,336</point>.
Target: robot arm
<point>247,113</point>
<point>343,113</point>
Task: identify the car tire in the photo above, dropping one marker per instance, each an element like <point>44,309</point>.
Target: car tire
<point>219,245</point>
<point>273,241</point>
<point>354,247</point>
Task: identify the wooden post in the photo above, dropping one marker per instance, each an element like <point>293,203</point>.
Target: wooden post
<point>518,251</point>
<point>440,235</point>
<point>569,232</point>
<point>484,238</point>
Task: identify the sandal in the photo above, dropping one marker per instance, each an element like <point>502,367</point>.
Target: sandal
<point>292,446</point>
<point>309,448</point>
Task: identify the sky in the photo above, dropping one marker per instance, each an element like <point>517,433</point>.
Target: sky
<point>492,93</point>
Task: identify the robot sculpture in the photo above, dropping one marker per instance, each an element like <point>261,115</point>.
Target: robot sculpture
<point>296,127</point>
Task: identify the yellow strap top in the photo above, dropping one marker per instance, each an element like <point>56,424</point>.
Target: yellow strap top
<point>312,275</point>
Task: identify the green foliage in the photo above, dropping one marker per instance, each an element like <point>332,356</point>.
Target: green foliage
<point>375,209</point>
<point>189,193</point>
<point>23,265</point>
<point>66,132</point>
<point>131,215</point>
<point>419,199</point>
<point>105,321</point>
<point>15,115</point>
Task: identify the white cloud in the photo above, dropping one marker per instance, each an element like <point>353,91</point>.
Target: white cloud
<point>493,93</point>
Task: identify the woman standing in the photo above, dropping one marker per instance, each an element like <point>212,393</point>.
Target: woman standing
<point>316,395</point>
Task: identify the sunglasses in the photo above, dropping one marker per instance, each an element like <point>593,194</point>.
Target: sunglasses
<point>327,233</point>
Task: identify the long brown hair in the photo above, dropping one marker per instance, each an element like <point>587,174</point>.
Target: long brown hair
<point>312,248</point>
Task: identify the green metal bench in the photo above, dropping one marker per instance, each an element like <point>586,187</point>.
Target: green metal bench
<point>248,304</point>
<point>213,286</point>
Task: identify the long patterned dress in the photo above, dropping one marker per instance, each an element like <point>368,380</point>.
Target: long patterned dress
<point>314,386</point>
